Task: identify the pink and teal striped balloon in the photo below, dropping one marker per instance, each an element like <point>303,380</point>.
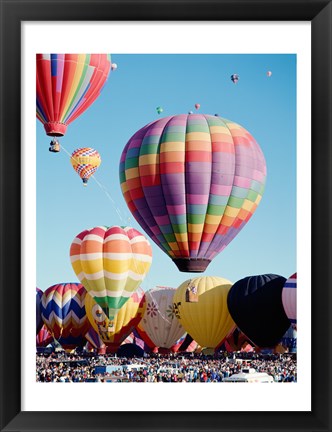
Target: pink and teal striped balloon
<point>289,298</point>
<point>192,182</point>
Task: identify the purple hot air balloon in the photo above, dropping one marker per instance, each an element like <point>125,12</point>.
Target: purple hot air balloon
<point>192,182</point>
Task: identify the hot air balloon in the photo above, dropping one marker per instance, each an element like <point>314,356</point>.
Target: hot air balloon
<point>114,66</point>
<point>189,345</point>
<point>159,321</point>
<point>133,346</point>
<point>111,262</point>
<point>114,332</point>
<point>289,339</point>
<point>159,110</point>
<point>85,162</point>
<point>269,73</point>
<point>94,341</point>
<point>200,304</point>
<point>67,84</point>
<point>256,306</point>
<point>39,321</point>
<point>197,106</point>
<point>235,78</point>
<point>43,337</point>
<point>234,341</point>
<point>134,338</point>
<point>63,313</point>
<point>289,298</point>
<point>192,182</point>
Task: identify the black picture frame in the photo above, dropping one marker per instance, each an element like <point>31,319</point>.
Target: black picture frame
<point>13,12</point>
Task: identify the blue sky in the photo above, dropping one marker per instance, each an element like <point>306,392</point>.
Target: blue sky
<point>265,106</point>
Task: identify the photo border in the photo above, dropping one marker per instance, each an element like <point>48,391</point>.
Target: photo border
<point>12,14</point>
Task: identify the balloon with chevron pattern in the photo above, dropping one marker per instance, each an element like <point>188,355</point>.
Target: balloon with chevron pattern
<point>63,312</point>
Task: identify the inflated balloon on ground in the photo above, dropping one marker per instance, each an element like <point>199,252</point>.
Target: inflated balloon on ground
<point>111,262</point>
<point>256,306</point>
<point>63,313</point>
<point>159,321</point>
<point>114,332</point>
<point>289,297</point>
<point>200,304</point>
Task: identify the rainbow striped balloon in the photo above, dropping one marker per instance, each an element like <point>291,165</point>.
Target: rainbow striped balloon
<point>111,262</point>
<point>85,162</point>
<point>63,310</point>
<point>67,84</point>
<point>289,298</point>
<point>192,182</point>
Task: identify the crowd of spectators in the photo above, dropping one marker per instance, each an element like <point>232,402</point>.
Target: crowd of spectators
<point>62,367</point>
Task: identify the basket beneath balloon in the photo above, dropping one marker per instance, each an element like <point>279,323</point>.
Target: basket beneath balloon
<point>192,265</point>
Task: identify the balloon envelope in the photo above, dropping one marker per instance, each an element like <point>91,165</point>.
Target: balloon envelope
<point>235,78</point>
<point>63,312</point>
<point>67,84</point>
<point>114,332</point>
<point>111,262</point>
<point>256,306</point>
<point>85,162</point>
<point>289,298</point>
<point>43,337</point>
<point>159,321</point>
<point>39,321</point>
<point>192,182</point>
<point>200,304</point>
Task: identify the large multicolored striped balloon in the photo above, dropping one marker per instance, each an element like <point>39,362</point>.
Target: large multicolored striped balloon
<point>67,84</point>
<point>114,332</point>
<point>192,182</point>
<point>63,311</point>
<point>159,321</point>
<point>85,162</point>
<point>111,263</point>
<point>289,298</point>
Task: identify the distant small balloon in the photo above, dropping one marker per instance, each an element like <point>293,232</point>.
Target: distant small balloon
<point>159,110</point>
<point>197,106</point>
<point>114,66</point>
<point>269,73</point>
<point>235,78</point>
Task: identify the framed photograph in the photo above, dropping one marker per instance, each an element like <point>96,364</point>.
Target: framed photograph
<point>231,71</point>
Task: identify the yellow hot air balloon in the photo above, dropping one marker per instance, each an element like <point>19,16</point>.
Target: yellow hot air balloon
<point>111,263</point>
<point>200,305</point>
<point>116,330</point>
<point>85,162</point>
